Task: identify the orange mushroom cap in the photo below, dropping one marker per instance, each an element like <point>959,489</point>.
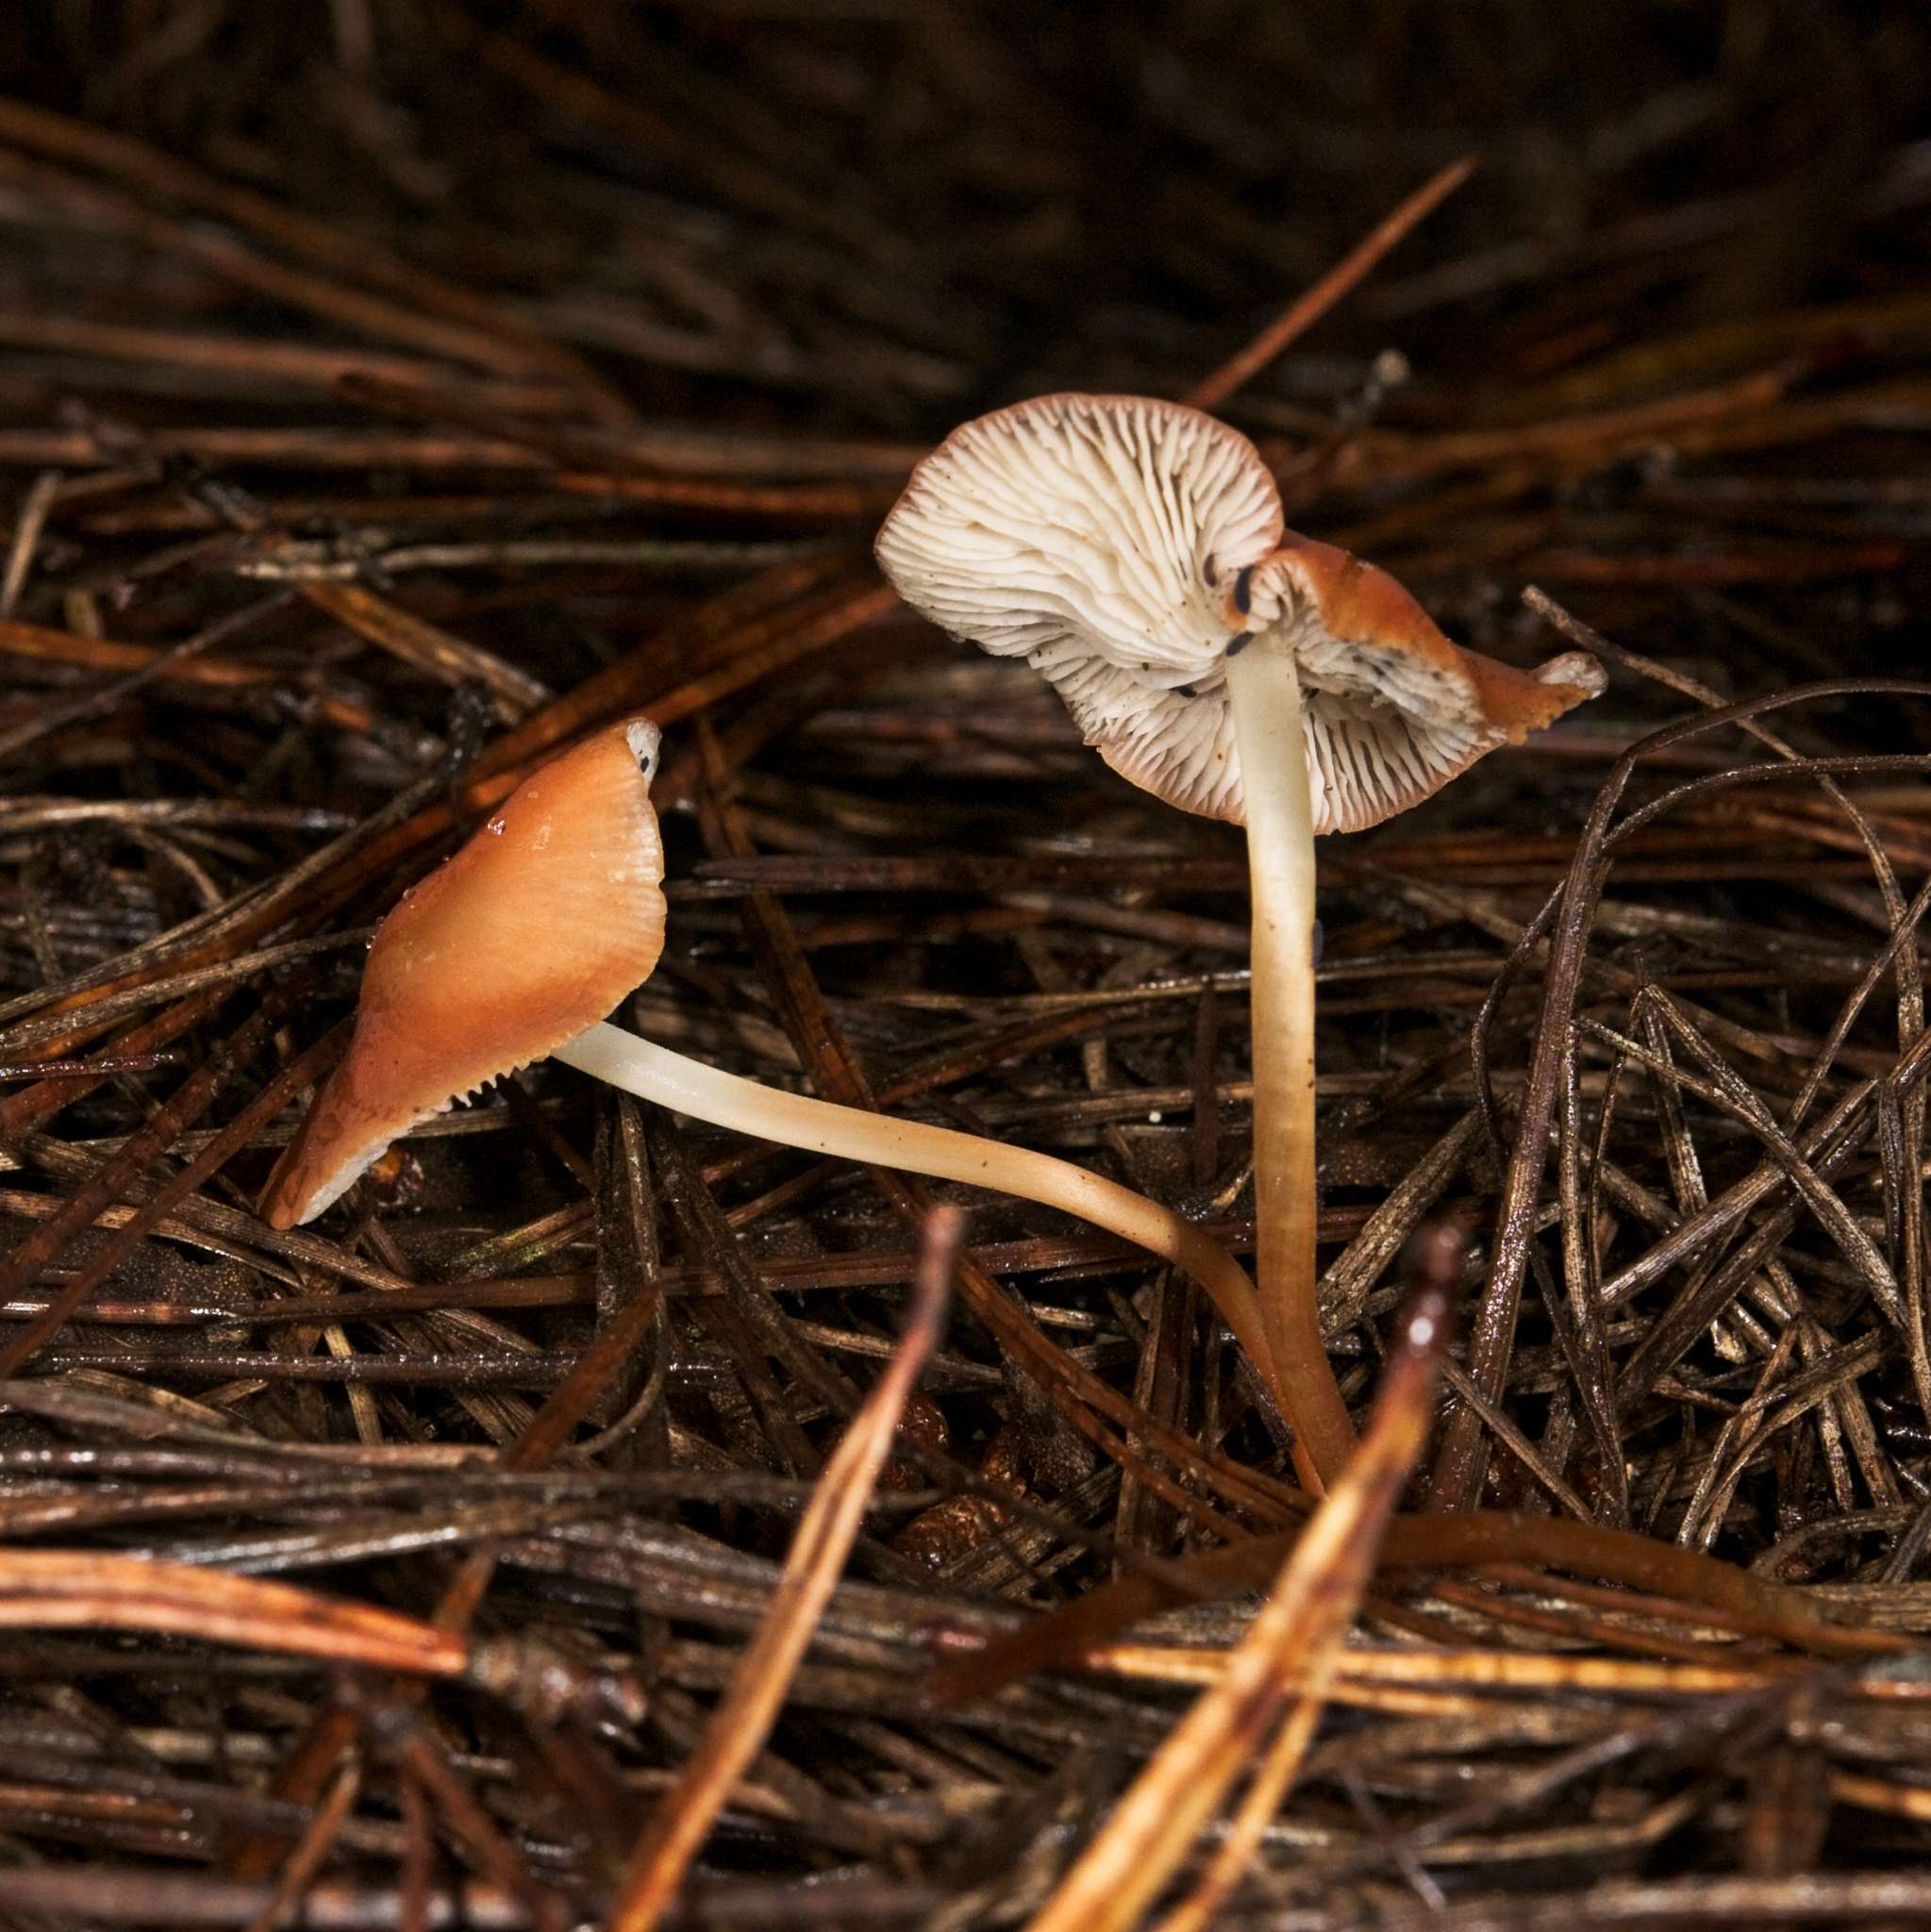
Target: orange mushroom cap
<point>540,925</point>
<point>1123,545</point>
<point>1392,709</point>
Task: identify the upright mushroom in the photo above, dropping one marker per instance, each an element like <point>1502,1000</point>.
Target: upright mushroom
<point>1134,552</point>
<point>550,916</point>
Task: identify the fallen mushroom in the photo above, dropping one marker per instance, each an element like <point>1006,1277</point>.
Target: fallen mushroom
<point>1134,552</point>
<point>515,949</point>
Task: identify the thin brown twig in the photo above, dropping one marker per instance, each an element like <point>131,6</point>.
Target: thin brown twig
<point>739,1725</point>
<point>1315,301</point>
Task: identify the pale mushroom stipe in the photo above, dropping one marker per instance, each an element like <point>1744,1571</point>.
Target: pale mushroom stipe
<point>516,948</point>
<point>1134,552</point>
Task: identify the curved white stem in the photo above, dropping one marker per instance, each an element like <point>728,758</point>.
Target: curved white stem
<point>1264,691</point>
<point>795,1119</point>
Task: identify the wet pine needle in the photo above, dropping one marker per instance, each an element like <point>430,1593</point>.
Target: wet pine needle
<point>389,396</point>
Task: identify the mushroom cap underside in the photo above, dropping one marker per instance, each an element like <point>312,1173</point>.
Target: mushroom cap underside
<point>535,929</point>
<point>1121,544</point>
<point>1109,526</point>
<point>1391,709</point>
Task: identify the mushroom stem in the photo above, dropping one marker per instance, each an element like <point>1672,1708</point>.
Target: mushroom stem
<point>795,1119</point>
<point>1264,691</point>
